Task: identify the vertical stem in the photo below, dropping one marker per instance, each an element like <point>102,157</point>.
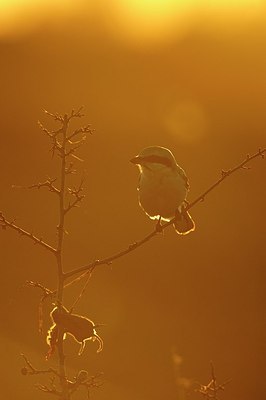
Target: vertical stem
<point>60,271</point>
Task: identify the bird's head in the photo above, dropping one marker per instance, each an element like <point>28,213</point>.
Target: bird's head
<point>154,157</point>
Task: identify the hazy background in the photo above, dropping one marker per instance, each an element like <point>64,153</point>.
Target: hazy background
<point>187,75</point>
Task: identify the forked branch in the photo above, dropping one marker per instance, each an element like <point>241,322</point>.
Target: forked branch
<point>211,390</point>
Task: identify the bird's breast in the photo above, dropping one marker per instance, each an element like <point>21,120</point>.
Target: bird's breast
<point>161,193</point>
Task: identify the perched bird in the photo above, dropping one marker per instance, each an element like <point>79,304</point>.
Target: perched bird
<point>163,188</point>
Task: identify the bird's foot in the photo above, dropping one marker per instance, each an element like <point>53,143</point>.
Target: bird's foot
<point>158,227</point>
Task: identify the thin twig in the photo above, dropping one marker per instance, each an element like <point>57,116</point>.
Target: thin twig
<point>210,390</point>
<point>53,136</point>
<point>225,174</point>
<point>44,388</point>
<point>77,194</point>
<point>82,291</point>
<point>48,183</point>
<point>84,129</point>
<point>55,116</point>
<point>70,169</point>
<point>4,223</point>
<point>108,260</point>
<point>30,370</point>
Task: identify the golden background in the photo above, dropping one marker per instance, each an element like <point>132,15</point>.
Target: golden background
<point>187,75</point>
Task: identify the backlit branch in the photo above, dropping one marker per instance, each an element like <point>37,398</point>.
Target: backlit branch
<point>64,145</point>
<point>83,130</point>
<point>82,378</point>
<point>4,223</point>
<point>49,183</point>
<point>159,228</point>
<point>30,370</point>
<point>70,169</point>
<point>225,174</point>
<point>210,390</point>
<point>78,197</point>
<point>51,390</point>
<point>52,135</point>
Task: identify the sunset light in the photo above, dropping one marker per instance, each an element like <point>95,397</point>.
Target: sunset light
<point>133,199</point>
<point>139,21</point>
<point>22,16</point>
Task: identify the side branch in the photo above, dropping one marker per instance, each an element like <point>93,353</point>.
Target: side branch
<point>49,183</point>
<point>82,130</point>
<point>108,260</point>
<point>30,370</point>
<point>225,174</point>
<point>210,390</point>
<point>76,192</point>
<point>4,223</point>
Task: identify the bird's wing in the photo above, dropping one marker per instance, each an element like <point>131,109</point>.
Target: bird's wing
<point>183,175</point>
<point>139,182</point>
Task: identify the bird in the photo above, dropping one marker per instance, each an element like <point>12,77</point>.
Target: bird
<point>163,188</point>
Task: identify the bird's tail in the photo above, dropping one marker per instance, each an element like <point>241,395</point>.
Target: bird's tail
<point>184,223</point>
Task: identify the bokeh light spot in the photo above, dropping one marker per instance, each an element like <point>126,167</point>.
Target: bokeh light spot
<point>187,121</point>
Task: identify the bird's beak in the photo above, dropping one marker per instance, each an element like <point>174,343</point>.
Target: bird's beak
<point>136,160</point>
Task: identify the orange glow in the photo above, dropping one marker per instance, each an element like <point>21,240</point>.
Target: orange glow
<point>22,16</point>
<point>154,20</point>
<point>137,21</point>
<point>186,120</point>
<point>148,21</point>
<point>186,75</point>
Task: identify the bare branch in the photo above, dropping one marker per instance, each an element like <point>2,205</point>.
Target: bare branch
<point>71,152</point>
<point>76,114</point>
<point>30,370</point>
<point>55,116</point>
<point>83,379</point>
<point>45,389</point>
<point>59,251</point>
<point>60,145</point>
<point>78,197</point>
<point>70,170</point>
<point>62,118</point>
<point>82,290</point>
<point>84,130</point>
<point>211,390</point>
<point>48,183</point>
<point>225,174</point>
<point>79,141</point>
<point>65,145</point>
<point>4,223</point>
<point>56,145</point>
<point>74,204</point>
<point>49,133</point>
<point>108,260</point>
<point>46,292</point>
